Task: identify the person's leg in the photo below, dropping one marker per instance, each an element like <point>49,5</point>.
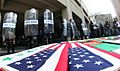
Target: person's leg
<point>8,46</point>
<point>81,37</point>
<point>119,30</point>
<point>11,45</point>
<point>13,49</point>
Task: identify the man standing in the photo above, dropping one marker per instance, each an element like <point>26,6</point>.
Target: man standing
<point>64,29</point>
<point>69,31</point>
<point>75,31</point>
<point>96,28</point>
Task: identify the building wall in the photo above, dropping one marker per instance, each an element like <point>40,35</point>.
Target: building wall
<point>77,10</point>
<point>67,7</point>
<point>116,4</point>
<point>64,2</point>
<point>102,18</point>
<point>72,6</point>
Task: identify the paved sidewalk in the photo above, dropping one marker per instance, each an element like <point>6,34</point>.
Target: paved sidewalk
<point>3,50</point>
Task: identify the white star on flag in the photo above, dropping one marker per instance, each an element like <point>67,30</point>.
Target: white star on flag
<point>69,56</point>
<point>17,63</point>
<point>76,59</point>
<point>74,54</point>
<point>80,49</point>
<point>98,62</point>
<point>27,58</point>
<point>36,57</point>
<point>41,54</point>
<point>30,66</point>
<point>70,62</point>
<point>82,55</point>
<point>73,51</point>
<point>83,50</point>
<point>86,61</point>
<point>39,60</point>
<point>45,52</point>
<point>91,56</point>
<point>78,66</point>
<point>29,62</point>
<point>45,56</point>
<point>79,52</point>
<point>51,51</point>
<point>48,53</point>
<point>86,53</point>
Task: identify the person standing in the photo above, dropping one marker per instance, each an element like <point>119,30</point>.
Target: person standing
<point>95,27</point>
<point>115,29</point>
<point>91,30</point>
<point>69,32</point>
<point>107,28</point>
<point>101,28</point>
<point>85,30</point>
<point>64,29</point>
<point>75,32</point>
<point>118,26</point>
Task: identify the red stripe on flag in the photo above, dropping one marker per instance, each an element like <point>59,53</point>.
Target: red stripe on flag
<point>77,44</point>
<point>52,46</point>
<point>110,53</point>
<point>69,45</point>
<point>0,69</point>
<point>63,61</point>
<point>59,45</point>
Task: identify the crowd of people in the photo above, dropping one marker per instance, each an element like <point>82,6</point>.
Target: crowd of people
<point>105,29</point>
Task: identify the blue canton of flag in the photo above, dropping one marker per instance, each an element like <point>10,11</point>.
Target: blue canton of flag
<point>80,59</point>
<point>33,62</point>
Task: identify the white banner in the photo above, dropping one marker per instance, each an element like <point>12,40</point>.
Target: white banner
<point>9,25</point>
<point>31,22</point>
<point>85,29</point>
<point>48,21</point>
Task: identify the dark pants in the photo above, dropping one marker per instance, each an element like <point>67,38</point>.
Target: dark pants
<point>118,30</point>
<point>95,35</point>
<point>64,38</point>
<point>9,45</point>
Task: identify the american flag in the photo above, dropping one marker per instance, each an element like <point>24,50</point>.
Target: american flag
<point>33,62</point>
<point>0,69</point>
<point>61,57</point>
<point>80,59</point>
